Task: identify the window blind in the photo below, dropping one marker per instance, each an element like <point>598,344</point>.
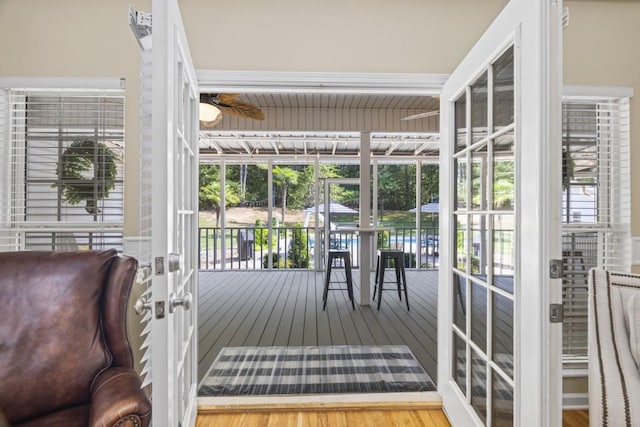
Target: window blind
<point>62,180</point>
<point>596,207</point>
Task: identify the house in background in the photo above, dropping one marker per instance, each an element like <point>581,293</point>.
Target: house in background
<point>76,45</point>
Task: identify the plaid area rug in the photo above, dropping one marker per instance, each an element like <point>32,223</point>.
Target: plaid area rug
<point>241,371</point>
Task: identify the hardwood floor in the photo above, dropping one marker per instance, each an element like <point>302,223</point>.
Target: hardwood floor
<point>365,418</point>
<point>332,418</point>
<point>577,418</point>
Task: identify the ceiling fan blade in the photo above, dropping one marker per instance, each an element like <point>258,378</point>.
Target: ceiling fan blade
<point>242,109</point>
<point>228,104</point>
<point>422,115</point>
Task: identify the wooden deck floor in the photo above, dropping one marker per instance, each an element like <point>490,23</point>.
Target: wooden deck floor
<point>284,308</point>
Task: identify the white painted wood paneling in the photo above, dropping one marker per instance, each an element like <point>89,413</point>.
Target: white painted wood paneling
<point>333,119</point>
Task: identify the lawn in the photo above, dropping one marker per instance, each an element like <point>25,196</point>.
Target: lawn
<point>243,217</point>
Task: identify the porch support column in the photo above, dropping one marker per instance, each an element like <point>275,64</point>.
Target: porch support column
<point>317,244</point>
<point>223,214</point>
<point>365,214</point>
<point>375,195</point>
<point>269,213</point>
<point>419,214</point>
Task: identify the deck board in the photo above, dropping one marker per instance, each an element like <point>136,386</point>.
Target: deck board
<point>284,307</point>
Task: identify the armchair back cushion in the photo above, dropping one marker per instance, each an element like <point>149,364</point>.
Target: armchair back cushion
<point>614,380</point>
<point>52,344</point>
<point>633,310</point>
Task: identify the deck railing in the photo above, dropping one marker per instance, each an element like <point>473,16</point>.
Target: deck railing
<point>247,248</point>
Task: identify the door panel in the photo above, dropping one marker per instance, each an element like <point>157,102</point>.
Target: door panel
<point>174,223</point>
<point>497,351</point>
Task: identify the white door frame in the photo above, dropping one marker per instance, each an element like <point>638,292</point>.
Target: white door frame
<point>538,374</point>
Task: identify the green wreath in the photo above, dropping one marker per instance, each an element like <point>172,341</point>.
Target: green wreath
<point>81,157</point>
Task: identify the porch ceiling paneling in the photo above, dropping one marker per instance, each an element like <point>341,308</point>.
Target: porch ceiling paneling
<point>326,124</point>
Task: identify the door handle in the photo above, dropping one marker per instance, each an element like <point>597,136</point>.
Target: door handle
<point>174,262</point>
<point>142,305</point>
<point>184,302</point>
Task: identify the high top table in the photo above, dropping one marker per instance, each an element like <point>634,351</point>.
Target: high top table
<point>365,255</point>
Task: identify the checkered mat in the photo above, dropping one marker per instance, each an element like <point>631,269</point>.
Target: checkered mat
<point>241,371</point>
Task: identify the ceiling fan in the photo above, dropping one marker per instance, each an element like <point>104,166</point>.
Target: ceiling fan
<point>214,105</point>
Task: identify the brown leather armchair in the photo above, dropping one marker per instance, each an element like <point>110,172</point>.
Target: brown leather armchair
<point>65,358</point>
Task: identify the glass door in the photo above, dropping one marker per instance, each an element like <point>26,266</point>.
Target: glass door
<point>499,129</point>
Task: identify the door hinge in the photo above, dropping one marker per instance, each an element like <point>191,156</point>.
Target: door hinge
<point>556,313</point>
<point>555,269</point>
<point>159,309</point>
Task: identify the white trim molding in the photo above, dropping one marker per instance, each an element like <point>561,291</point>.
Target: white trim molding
<point>310,82</point>
<point>597,91</point>
<point>635,250</point>
<point>572,401</point>
<point>68,83</point>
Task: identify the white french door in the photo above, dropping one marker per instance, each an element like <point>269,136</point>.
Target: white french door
<point>174,223</point>
<point>498,354</point>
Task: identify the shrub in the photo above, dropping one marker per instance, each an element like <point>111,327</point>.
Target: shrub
<point>299,250</point>
<point>261,235</point>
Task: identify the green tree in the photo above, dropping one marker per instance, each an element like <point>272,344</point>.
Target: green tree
<point>209,191</point>
<point>284,177</point>
<point>430,183</point>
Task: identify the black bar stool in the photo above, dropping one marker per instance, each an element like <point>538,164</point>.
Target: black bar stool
<point>331,257</point>
<point>401,279</point>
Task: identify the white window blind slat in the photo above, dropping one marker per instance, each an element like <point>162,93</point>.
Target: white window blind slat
<point>58,143</point>
<point>596,207</point>
<point>145,193</point>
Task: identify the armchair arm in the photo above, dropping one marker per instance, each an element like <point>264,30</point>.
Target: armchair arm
<point>118,400</point>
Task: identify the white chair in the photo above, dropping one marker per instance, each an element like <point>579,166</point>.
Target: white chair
<point>614,349</point>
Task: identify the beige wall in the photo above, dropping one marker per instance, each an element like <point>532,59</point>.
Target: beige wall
<point>373,36</point>
<point>78,38</point>
<point>601,48</point>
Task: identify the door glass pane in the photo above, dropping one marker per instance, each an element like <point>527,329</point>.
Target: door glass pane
<point>460,248</point>
<point>460,166</point>
<point>501,402</point>
<point>460,362</point>
<point>479,246</point>
<point>479,385</point>
<point>461,122</point>
<point>503,172</point>
<point>484,199</point>
<point>479,315</point>
<point>460,304</point>
<point>503,94</point>
<point>503,252</point>
<point>502,334</point>
<point>479,108</point>
<point>479,178</point>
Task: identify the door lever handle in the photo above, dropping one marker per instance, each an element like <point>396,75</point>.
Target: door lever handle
<point>184,302</point>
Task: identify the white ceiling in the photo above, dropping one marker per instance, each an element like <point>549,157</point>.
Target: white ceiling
<point>341,101</point>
